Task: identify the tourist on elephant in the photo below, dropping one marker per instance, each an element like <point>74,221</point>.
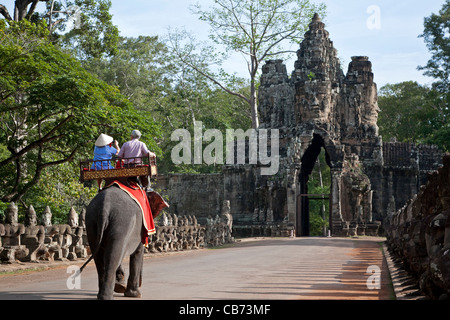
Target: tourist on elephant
<point>132,151</point>
<point>104,151</point>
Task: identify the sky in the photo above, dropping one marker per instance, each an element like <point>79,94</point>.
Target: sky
<point>384,30</point>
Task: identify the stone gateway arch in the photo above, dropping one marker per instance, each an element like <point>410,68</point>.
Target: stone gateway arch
<point>317,107</point>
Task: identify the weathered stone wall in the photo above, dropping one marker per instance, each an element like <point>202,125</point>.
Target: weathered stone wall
<point>203,195</point>
<point>199,195</point>
<point>405,168</point>
<point>419,233</point>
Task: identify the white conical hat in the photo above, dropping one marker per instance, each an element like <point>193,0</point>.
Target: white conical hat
<point>103,140</point>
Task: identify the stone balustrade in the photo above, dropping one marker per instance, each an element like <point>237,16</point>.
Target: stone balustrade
<point>419,234</point>
<point>36,241</point>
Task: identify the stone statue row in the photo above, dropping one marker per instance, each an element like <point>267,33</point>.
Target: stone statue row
<point>36,241</point>
<point>418,234</point>
<point>176,233</point>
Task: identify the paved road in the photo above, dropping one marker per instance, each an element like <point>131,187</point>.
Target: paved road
<point>281,268</point>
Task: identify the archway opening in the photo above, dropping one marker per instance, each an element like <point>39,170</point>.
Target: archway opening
<point>313,200</point>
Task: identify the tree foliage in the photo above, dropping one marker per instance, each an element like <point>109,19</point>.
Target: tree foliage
<point>437,38</point>
<point>82,26</point>
<point>51,109</point>
<point>407,112</point>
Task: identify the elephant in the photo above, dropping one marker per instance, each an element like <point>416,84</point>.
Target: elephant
<point>114,227</point>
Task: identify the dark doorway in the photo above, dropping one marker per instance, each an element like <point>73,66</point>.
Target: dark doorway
<point>308,162</point>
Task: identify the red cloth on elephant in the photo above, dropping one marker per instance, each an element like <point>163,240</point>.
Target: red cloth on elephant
<point>157,203</point>
<point>140,196</point>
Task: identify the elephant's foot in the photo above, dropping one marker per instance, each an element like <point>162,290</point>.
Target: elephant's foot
<point>120,285</point>
<point>132,294</point>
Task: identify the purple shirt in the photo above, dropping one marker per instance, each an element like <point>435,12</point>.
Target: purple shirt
<point>133,148</point>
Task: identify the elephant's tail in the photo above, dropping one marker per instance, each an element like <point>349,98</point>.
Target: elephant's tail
<point>85,264</point>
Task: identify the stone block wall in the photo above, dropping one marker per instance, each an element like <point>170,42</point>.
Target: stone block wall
<point>419,234</point>
<point>199,195</point>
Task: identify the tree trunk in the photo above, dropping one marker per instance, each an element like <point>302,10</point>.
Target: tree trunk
<point>253,69</point>
<point>254,105</point>
<point>323,208</point>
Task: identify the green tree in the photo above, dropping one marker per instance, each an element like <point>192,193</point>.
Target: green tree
<point>411,112</point>
<point>140,68</point>
<point>437,38</point>
<point>407,112</point>
<point>82,26</point>
<point>256,29</point>
<point>436,35</point>
<point>51,109</point>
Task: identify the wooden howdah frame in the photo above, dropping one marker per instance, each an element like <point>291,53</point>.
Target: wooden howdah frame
<point>123,168</point>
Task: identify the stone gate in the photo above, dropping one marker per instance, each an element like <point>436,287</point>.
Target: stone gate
<point>316,107</point>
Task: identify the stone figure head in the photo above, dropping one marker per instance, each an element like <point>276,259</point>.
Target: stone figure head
<point>72,219</point>
<point>82,218</point>
<point>12,214</point>
<point>30,217</point>
<point>315,100</point>
<point>226,209</point>
<point>47,217</point>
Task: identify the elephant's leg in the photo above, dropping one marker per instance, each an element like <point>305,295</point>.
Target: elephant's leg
<point>120,285</point>
<point>112,260</point>
<point>100,266</point>
<point>136,262</point>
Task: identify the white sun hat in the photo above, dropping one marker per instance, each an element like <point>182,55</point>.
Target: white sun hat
<point>103,140</point>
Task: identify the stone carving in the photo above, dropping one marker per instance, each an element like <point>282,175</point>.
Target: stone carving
<point>418,234</point>
<point>72,220</point>
<point>59,239</point>
<point>2,233</point>
<point>228,221</point>
<point>34,236</point>
<point>13,249</point>
<point>47,217</point>
<point>82,219</point>
<point>356,197</point>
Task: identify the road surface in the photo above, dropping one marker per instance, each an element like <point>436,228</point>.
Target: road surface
<point>273,268</point>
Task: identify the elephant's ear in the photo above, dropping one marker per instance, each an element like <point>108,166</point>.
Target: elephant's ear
<point>157,203</point>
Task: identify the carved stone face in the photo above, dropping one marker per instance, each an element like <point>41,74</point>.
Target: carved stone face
<point>371,114</point>
<point>30,218</point>
<point>315,101</point>
<point>47,217</point>
<point>11,214</point>
<point>73,218</point>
